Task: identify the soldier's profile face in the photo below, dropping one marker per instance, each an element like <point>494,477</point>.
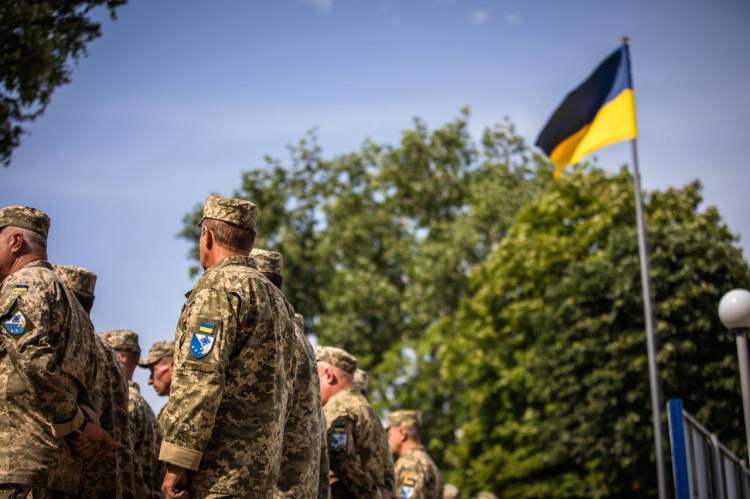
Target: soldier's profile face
<point>161,376</point>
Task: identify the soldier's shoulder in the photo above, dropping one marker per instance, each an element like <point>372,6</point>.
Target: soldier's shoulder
<point>30,279</point>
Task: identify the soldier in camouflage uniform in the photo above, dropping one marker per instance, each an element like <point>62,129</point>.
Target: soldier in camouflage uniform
<point>417,476</point>
<point>104,477</point>
<point>360,461</point>
<point>233,379</point>
<point>160,362</point>
<point>300,475</point>
<point>361,381</point>
<point>46,348</point>
<point>145,431</point>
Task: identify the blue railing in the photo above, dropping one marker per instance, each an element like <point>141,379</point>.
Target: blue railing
<point>703,467</point>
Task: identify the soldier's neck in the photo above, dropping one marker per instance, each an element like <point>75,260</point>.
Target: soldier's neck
<point>24,260</point>
<point>407,446</point>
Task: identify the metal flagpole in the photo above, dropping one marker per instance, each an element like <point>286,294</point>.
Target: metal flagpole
<point>649,314</point>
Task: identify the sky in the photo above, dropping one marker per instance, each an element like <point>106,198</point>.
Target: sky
<point>178,97</point>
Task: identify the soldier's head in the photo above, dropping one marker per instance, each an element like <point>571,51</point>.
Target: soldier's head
<point>160,361</point>
<point>227,229</point>
<point>23,238</point>
<point>82,282</point>
<point>361,381</point>
<point>336,369</point>
<point>270,264</point>
<point>125,344</point>
<point>404,430</point>
<point>450,491</point>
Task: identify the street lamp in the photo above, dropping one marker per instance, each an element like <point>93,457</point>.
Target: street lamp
<point>734,312</point>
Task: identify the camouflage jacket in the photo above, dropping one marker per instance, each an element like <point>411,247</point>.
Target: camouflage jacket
<point>146,436</point>
<point>360,460</point>
<point>417,476</point>
<point>47,365</point>
<point>232,382</point>
<point>120,476</point>
<point>324,478</point>
<point>300,461</point>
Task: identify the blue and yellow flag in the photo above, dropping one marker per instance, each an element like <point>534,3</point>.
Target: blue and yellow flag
<point>599,112</point>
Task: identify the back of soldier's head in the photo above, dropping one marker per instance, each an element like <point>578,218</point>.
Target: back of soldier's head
<point>361,381</point>
<point>24,230</point>
<point>231,221</point>
<point>270,264</point>
<point>81,281</point>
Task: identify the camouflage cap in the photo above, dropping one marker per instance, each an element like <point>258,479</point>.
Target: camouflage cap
<point>237,212</point>
<point>122,340</point>
<point>268,261</point>
<point>361,380</point>
<point>25,218</point>
<point>158,351</point>
<point>407,419</point>
<point>299,319</point>
<point>337,358</point>
<point>76,278</point>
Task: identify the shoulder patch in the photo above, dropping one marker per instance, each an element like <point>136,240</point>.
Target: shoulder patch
<point>206,326</point>
<point>21,288</point>
<point>339,438</point>
<point>201,344</point>
<point>411,482</point>
<point>16,324</point>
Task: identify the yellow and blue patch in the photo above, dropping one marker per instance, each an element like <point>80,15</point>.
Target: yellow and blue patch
<point>206,327</point>
<point>21,288</point>
<point>338,439</point>
<point>407,489</point>
<point>16,324</point>
<point>201,345</point>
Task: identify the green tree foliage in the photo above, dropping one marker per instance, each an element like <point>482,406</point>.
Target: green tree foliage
<point>379,243</point>
<point>549,352</point>
<point>38,40</point>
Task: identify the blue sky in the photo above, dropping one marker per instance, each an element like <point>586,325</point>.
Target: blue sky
<point>176,98</point>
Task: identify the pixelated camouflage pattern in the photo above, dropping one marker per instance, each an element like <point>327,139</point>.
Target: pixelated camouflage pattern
<point>25,218</point>
<point>123,340</point>
<point>407,419</point>
<point>415,470</point>
<point>45,378</point>
<point>76,278</point>
<point>361,381</point>
<point>237,212</point>
<point>22,492</point>
<point>146,435</point>
<point>337,357</point>
<point>324,474</point>
<point>364,465</point>
<point>228,408</point>
<point>158,351</point>
<point>300,463</point>
<point>268,261</point>
<point>120,476</point>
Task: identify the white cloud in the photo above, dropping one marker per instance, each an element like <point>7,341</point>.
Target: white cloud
<point>479,16</point>
<point>513,19</point>
<point>321,5</point>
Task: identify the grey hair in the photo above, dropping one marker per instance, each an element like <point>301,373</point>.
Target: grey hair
<point>36,242</point>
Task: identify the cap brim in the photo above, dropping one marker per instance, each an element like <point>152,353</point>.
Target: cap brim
<point>148,362</point>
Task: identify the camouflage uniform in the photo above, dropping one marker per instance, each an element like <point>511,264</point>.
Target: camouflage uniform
<point>47,353</point>
<point>361,380</point>
<point>233,381</point>
<point>144,429</point>
<point>299,475</point>
<point>417,476</point>
<point>360,460</point>
<point>116,476</point>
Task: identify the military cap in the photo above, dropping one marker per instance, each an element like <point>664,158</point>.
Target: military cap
<point>237,212</point>
<point>337,358</point>
<point>300,321</point>
<point>122,340</point>
<point>407,419</point>
<point>361,380</point>
<point>25,218</point>
<point>76,278</point>
<point>269,262</point>
<point>158,351</point>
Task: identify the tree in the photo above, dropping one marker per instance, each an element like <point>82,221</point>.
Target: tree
<point>38,41</point>
<point>548,353</point>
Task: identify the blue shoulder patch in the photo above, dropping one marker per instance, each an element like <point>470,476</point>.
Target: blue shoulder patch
<point>16,324</point>
<point>201,345</point>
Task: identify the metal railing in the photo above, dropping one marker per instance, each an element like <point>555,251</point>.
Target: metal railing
<point>703,467</point>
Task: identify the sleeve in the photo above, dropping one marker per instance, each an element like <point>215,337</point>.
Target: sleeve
<point>202,355</point>
<point>25,332</point>
<point>410,481</point>
<point>344,460</point>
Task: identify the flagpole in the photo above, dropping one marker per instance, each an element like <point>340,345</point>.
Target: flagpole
<point>648,314</point>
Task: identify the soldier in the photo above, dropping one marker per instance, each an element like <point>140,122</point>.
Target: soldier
<point>160,362</point>
<point>416,474</point>
<point>233,368</point>
<point>145,431</point>
<point>303,432</point>
<point>361,464</point>
<point>361,381</point>
<point>102,477</point>
<point>46,342</point>
<point>450,491</point>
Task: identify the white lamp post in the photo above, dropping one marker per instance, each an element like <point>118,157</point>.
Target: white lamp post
<point>734,312</point>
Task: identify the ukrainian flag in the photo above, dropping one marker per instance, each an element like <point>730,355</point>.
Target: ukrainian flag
<point>599,112</point>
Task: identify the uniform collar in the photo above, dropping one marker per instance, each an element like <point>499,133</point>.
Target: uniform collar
<point>39,263</point>
<point>232,260</point>
<point>133,384</point>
